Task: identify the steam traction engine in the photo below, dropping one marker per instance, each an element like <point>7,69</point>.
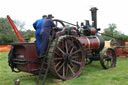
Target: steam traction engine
<point>68,50</point>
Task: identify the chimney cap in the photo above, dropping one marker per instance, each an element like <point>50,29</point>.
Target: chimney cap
<point>93,9</point>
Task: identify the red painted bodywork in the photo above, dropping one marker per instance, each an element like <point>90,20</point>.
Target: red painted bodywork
<point>30,54</point>
<point>90,42</point>
<point>93,31</point>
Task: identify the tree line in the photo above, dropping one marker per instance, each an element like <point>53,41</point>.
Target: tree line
<point>112,33</point>
<point>7,34</point>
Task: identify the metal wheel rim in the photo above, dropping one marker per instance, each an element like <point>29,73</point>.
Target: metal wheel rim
<point>68,59</point>
<point>109,60</point>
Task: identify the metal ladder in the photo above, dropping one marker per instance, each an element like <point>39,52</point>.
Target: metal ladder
<point>45,61</point>
<point>43,72</point>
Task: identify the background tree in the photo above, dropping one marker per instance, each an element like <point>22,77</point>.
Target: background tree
<point>111,32</point>
<point>7,34</point>
<point>27,34</point>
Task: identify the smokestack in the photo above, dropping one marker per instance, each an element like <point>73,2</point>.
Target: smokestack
<point>94,16</point>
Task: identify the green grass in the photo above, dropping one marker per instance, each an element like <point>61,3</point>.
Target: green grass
<point>92,74</point>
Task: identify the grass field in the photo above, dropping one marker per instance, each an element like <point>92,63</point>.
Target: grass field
<point>92,74</point>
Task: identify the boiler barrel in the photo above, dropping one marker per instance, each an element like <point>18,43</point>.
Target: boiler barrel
<point>92,42</point>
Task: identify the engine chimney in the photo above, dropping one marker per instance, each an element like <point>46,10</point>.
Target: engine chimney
<point>94,16</point>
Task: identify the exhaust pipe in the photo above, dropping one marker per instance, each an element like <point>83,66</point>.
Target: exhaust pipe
<point>94,16</point>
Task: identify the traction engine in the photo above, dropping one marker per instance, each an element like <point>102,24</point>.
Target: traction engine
<point>69,49</point>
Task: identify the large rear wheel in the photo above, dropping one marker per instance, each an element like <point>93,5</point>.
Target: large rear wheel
<point>67,59</point>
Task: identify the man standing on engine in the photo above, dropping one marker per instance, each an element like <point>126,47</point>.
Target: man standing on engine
<point>44,34</point>
<point>38,26</point>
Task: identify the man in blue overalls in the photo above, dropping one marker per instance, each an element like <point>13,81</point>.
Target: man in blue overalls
<point>44,34</point>
<point>38,26</point>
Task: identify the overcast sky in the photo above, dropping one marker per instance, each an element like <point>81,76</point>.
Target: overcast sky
<point>110,11</point>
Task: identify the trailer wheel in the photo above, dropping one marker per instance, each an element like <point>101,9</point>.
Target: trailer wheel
<point>108,58</point>
<point>68,59</point>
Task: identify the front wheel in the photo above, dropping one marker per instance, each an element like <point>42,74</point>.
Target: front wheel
<point>108,58</point>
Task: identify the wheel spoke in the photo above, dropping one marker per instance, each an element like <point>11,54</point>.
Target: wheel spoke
<point>71,51</point>
<point>58,58</point>
<point>76,51</point>
<point>60,66</point>
<point>71,64</point>
<point>62,44</point>
<point>63,71</point>
<point>71,44</point>
<point>66,47</point>
<point>57,53</point>
<point>61,50</point>
<point>71,69</point>
<point>107,63</point>
<point>76,62</point>
<point>110,63</point>
<point>57,64</point>
<point>66,69</point>
<point>104,60</point>
<point>75,57</point>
